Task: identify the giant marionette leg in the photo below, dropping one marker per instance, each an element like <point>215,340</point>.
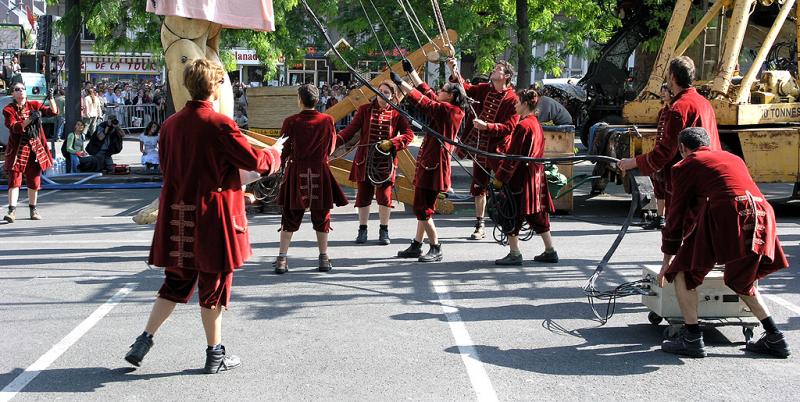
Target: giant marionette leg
<point>184,40</point>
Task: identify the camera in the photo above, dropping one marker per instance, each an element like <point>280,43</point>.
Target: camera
<point>114,122</point>
<point>35,115</point>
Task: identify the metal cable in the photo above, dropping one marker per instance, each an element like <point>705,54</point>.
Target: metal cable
<point>374,32</point>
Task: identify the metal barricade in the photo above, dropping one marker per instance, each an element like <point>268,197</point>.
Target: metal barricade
<point>135,117</point>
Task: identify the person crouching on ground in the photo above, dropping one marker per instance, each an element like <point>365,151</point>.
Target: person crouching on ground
<point>27,153</point>
<point>76,146</point>
<point>307,182</point>
<point>201,233</point>
<point>380,125</point>
<point>148,145</point>
<point>445,110</point>
<point>528,181</point>
<point>717,215</point>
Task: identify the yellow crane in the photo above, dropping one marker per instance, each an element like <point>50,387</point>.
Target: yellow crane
<point>756,110</point>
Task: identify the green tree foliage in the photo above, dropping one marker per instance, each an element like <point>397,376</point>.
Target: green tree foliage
<point>488,28</point>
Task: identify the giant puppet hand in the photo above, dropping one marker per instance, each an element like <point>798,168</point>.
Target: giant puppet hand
<point>184,40</point>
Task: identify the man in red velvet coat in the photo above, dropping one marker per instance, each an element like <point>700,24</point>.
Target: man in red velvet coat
<point>528,180</point>
<point>689,109</point>
<point>445,110</point>
<point>201,234</point>
<point>308,182</point>
<point>382,126</point>
<point>490,130</point>
<point>718,216</point>
<point>27,153</point>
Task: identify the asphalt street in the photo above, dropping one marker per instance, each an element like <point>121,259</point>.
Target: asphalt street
<point>75,291</point>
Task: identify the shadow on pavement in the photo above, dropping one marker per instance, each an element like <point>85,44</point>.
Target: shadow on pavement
<point>87,379</point>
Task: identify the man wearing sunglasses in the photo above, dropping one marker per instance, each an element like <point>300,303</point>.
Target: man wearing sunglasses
<point>27,152</point>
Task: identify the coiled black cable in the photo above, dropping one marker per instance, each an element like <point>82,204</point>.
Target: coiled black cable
<point>380,165</point>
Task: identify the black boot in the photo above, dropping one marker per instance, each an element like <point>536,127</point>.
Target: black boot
<point>139,349</point>
<point>434,254</point>
<point>685,343</point>
<point>217,360</point>
<point>657,223</point>
<point>362,234</point>
<point>413,251</point>
<point>383,236</point>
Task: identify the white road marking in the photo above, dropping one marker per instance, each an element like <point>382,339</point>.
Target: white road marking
<point>783,303</point>
<point>34,240</point>
<point>38,196</point>
<point>469,355</point>
<point>22,380</point>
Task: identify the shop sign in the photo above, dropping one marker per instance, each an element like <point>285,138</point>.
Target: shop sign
<point>246,57</point>
<point>140,66</point>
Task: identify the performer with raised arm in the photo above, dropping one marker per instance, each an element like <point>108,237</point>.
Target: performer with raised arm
<point>527,181</point>
<point>27,153</point>
<point>308,182</point>
<point>688,109</point>
<point>381,126</point>
<point>201,233</point>
<point>490,130</point>
<point>445,110</point>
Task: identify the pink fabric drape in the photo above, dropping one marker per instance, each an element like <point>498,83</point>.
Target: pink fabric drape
<point>240,14</point>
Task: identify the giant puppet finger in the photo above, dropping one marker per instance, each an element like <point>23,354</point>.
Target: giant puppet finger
<point>148,214</point>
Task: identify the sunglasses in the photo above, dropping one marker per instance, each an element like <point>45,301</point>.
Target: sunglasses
<point>18,89</point>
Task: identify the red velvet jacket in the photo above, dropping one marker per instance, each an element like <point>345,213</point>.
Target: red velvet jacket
<point>689,109</point>
<point>497,109</point>
<point>392,126</point>
<point>525,178</point>
<point>433,159</point>
<point>717,205</point>
<point>13,119</point>
<point>201,219</point>
<point>308,181</point>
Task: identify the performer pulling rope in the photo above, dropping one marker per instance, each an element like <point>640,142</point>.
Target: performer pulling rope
<point>628,289</point>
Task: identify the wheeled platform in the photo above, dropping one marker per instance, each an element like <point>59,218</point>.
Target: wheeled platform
<point>717,305</point>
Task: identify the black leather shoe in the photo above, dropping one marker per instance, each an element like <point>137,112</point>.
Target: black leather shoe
<point>434,254</point>
<point>770,344</point>
<point>686,344</point>
<point>510,259</point>
<point>383,237</point>
<point>547,256</point>
<point>362,236</point>
<point>413,251</point>
<point>217,360</point>
<point>139,349</point>
<point>656,224</point>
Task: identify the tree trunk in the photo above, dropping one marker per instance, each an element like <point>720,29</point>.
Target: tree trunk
<point>524,48</point>
<point>73,65</point>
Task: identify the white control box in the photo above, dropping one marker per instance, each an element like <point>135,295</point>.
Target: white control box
<point>715,300</point>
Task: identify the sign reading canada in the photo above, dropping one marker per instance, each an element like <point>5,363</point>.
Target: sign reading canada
<point>246,57</point>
